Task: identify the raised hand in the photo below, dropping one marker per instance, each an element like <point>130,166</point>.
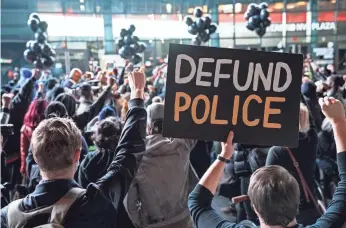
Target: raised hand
<point>137,83</point>
<point>6,100</point>
<point>227,147</point>
<point>332,108</point>
<point>36,73</point>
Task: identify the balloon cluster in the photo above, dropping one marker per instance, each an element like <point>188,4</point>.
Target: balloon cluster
<point>257,17</point>
<point>129,46</point>
<point>39,51</point>
<point>202,26</point>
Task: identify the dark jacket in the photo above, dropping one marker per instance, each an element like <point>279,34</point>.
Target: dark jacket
<point>98,206</point>
<point>315,110</point>
<point>19,106</point>
<point>326,141</point>
<point>305,155</point>
<point>204,216</point>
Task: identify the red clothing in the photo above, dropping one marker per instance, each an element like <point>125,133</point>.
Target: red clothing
<point>25,139</point>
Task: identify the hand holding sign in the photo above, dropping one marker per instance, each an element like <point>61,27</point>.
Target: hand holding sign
<point>211,91</point>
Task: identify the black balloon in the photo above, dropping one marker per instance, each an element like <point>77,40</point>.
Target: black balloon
<point>193,30</point>
<point>255,20</point>
<point>29,55</point>
<point>46,48</point>
<point>135,38</point>
<point>136,58</point>
<point>38,63</point>
<point>120,43</point>
<point>207,21</point>
<point>33,23</point>
<point>200,23</point>
<point>247,16</point>
<point>252,7</point>
<point>128,40</point>
<point>142,48</point>
<point>123,33</point>
<point>266,22</point>
<point>48,62</point>
<point>202,35</point>
<point>43,26</point>
<point>260,31</point>
<point>212,28</point>
<point>41,37</point>
<point>250,26</point>
<point>131,29</point>
<point>29,43</point>
<point>35,15</point>
<point>263,5</point>
<point>198,12</point>
<point>52,53</point>
<point>264,14</point>
<point>196,41</point>
<point>35,46</point>
<point>135,47</point>
<point>126,52</point>
<point>188,20</point>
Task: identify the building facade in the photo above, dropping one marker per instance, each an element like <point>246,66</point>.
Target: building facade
<point>84,30</point>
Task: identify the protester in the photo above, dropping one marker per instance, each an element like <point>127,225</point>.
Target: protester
<point>32,118</point>
<point>164,178</point>
<point>74,77</point>
<point>273,191</point>
<point>56,148</point>
<point>86,98</point>
<point>305,155</point>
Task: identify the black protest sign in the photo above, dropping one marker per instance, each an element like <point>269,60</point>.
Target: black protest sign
<point>211,91</point>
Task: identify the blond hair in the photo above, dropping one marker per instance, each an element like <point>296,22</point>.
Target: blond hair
<point>304,123</point>
<point>54,144</point>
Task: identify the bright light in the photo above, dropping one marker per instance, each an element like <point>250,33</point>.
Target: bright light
<point>190,10</point>
<point>150,41</point>
<point>82,7</point>
<point>205,9</point>
<point>290,6</point>
<point>238,7</point>
<point>169,8</point>
<point>98,8</point>
<point>81,1</point>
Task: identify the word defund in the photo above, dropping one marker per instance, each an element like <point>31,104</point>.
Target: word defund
<point>255,74</point>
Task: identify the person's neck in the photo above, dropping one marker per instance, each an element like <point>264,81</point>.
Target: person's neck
<point>291,224</point>
<point>63,174</point>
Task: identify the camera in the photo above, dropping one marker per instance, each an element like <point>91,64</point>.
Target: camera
<point>7,129</point>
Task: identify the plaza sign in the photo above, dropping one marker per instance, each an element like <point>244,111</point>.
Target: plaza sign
<point>301,27</point>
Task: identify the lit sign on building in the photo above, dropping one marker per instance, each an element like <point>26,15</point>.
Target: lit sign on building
<point>300,27</point>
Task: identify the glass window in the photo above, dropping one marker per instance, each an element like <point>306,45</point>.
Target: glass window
<point>49,6</point>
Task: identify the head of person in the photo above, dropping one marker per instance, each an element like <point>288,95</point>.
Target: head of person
<point>157,99</point>
<point>88,75</point>
<point>35,113</point>
<point>55,109</point>
<point>69,102</point>
<point>155,113</point>
<point>56,91</point>
<point>107,111</point>
<point>56,146</point>
<point>102,77</point>
<point>86,91</point>
<point>108,133</point>
<point>275,196</point>
<point>335,81</point>
<point>309,89</point>
<point>304,123</point>
<point>75,75</point>
<point>51,83</point>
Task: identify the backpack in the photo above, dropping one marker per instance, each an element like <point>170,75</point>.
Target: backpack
<point>18,219</point>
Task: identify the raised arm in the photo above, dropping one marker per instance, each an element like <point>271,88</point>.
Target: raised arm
<point>202,213</point>
<point>335,214</point>
<point>123,168</point>
<point>84,118</point>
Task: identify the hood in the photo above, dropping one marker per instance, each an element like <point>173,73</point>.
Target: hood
<point>157,145</point>
<point>69,101</point>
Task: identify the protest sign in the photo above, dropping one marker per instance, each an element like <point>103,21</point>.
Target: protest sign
<point>211,91</point>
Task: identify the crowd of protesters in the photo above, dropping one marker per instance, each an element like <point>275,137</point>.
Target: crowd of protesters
<point>87,151</point>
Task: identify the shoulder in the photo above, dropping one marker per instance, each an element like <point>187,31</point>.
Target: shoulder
<point>4,217</point>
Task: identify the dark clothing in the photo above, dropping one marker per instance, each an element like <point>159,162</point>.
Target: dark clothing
<point>315,110</point>
<point>85,117</point>
<point>200,157</point>
<point>98,206</point>
<point>305,155</point>
<point>204,216</point>
<point>19,106</point>
<point>84,105</point>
